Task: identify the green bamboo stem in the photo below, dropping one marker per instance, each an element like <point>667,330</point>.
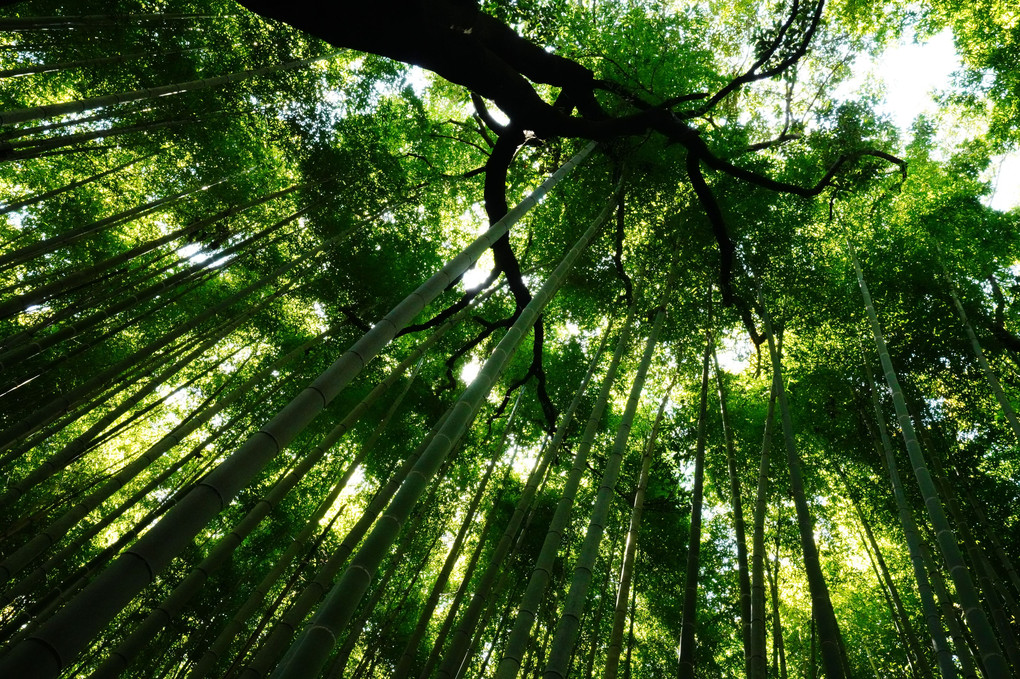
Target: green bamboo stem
<point>828,630</point>
<point>566,631</point>
<point>69,237</point>
<point>203,270</point>
<point>977,621</point>
<point>91,103</point>
<point>282,632</point>
<point>222,642</point>
<point>78,446</point>
<point>630,551</point>
<point>421,626</point>
<point>18,559</point>
<point>689,616</point>
<point>919,666</point>
<point>312,648</point>
<point>222,552</point>
<point>757,665</point>
<point>299,546</point>
<point>21,203</point>
<point>460,643</point>
<point>1007,407</point>
<point>739,528</point>
<point>970,662</point>
<point>83,63</point>
<point>26,149</point>
<point>54,646</point>
<point>89,275</point>
<point>520,633</point>
<point>778,646</point>
<point>943,657</point>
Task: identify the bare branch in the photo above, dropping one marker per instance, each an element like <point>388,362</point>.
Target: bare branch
<point>752,74</point>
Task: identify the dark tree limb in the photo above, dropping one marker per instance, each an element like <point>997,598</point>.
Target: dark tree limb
<point>451,362</point>
<point>496,208</point>
<point>453,308</point>
<point>481,148</point>
<point>753,74</point>
<point>485,116</point>
<point>770,143</point>
<point>464,45</point>
<point>354,319</point>
<point>537,371</point>
<point>718,224</point>
<point>477,51</point>
<point>628,285</point>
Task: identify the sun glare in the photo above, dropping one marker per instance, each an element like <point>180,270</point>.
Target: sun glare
<point>911,75</point>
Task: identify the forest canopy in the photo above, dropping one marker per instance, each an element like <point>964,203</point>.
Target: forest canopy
<point>441,338</point>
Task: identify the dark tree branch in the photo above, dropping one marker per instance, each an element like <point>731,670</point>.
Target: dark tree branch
<point>771,143</point>
<point>451,381</point>
<point>483,131</point>
<point>715,219</point>
<point>628,286</point>
<point>452,309</point>
<point>468,47</point>
<point>491,60</point>
<point>496,208</point>
<point>436,135</point>
<point>485,116</point>
<point>354,319</point>
<point>752,74</point>
<point>477,127</point>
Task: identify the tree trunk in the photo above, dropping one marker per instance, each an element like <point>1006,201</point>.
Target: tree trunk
<point>520,633</point>
<point>757,666</point>
<point>993,381</point>
<point>410,649</point>
<point>686,656</point>
<point>459,644</point>
<point>126,577</point>
<point>313,647</point>
<point>21,203</point>
<point>152,93</point>
<point>744,577</point>
<point>828,630</point>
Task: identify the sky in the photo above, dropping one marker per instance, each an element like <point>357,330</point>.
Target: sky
<point>910,74</point>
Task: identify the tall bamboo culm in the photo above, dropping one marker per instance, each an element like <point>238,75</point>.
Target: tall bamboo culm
<point>57,643</point>
<point>988,646</point>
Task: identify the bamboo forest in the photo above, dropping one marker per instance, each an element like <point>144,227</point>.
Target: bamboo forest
<point>492,338</point>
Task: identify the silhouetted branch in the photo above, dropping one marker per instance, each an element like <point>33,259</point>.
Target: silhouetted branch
<point>752,74</point>
<point>485,116</point>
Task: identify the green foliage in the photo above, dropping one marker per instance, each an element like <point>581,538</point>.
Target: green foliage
<point>316,198</point>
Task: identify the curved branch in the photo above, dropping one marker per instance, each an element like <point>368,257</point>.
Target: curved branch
<point>715,219</point>
<point>488,329</point>
<point>628,286</point>
<point>485,116</point>
<point>436,135</point>
<point>496,208</point>
<point>452,309</point>
<point>751,75</point>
